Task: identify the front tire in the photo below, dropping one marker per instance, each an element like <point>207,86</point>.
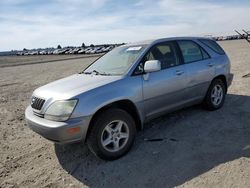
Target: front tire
<point>112,134</point>
<point>215,96</point>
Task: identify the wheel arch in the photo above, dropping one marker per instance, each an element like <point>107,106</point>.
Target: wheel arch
<point>125,105</point>
<point>223,78</point>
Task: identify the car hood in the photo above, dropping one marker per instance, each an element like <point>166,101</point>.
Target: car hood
<point>73,85</point>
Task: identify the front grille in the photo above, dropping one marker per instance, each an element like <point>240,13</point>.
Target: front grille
<point>37,103</point>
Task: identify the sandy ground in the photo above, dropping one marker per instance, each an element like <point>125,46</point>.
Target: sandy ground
<point>7,61</point>
<point>198,148</point>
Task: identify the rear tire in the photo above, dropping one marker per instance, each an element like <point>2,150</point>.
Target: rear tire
<point>215,96</point>
<point>112,134</point>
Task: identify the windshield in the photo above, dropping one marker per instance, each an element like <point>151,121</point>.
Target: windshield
<point>116,62</point>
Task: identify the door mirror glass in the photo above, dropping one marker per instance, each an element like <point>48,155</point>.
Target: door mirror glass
<point>152,66</point>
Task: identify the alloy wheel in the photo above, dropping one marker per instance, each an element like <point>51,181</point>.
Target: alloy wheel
<point>217,95</point>
<point>115,136</point>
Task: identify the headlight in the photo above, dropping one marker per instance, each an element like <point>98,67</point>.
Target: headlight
<point>60,110</point>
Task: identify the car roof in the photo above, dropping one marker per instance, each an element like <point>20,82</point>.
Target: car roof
<point>153,41</point>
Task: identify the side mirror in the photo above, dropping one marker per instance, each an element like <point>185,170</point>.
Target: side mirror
<point>152,66</point>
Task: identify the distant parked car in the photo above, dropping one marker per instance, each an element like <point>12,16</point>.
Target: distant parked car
<point>94,50</point>
<point>107,49</point>
<point>63,51</point>
<point>101,50</point>
<point>88,50</point>
<point>110,100</point>
<point>69,50</point>
<point>220,38</point>
<point>81,51</point>
<point>33,53</point>
<point>50,51</point>
<point>55,52</point>
<point>20,53</point>
<point>214,38</point>
<point>75,51</point>
<point>43,52</point>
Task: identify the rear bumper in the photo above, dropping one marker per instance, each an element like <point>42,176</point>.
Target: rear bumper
<point>229,79</point>
<point>59,132</point>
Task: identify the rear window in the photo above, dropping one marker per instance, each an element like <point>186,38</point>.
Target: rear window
<point>213,45</point>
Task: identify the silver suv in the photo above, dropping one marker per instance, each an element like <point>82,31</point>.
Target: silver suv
<point>111,99</point>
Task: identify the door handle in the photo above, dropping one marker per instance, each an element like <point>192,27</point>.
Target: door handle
<point>179,72</point>
<point>210,64</point>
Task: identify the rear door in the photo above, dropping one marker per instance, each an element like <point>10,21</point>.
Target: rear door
<point>164,90</point>
<point>200,69</point>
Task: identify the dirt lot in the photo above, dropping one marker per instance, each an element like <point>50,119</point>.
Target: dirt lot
<point>198,148</point>
<point>7,61</point>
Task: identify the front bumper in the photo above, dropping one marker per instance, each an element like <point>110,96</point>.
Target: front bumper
<point>58,132</point>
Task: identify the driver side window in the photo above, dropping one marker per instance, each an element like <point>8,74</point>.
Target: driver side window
<point>164,52</point>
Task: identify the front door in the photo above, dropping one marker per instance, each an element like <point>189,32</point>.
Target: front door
<point>164,90</point>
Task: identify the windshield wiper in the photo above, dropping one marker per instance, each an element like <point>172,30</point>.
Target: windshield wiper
<point>85,72</point>
<point>96,72</point>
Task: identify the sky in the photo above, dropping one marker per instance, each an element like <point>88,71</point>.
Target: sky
<point>48,23</point>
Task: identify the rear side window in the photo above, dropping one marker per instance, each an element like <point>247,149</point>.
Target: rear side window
<point>213,45</point>
<point>205,54</point>
<point>192,52</point>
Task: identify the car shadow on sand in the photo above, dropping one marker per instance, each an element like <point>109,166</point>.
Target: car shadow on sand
<point>171,150</point>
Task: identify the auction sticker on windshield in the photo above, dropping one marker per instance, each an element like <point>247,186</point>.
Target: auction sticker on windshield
<point>135,48</point>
